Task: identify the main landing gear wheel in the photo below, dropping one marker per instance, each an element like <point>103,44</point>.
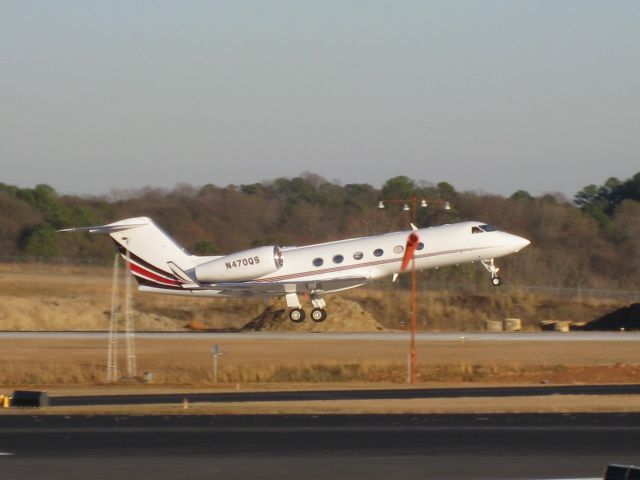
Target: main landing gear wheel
<point>296,315</point>
<point>318,315</point>
<point>495,281</point>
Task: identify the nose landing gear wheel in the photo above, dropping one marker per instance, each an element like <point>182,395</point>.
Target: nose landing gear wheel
<point>318,315</point>
<point>296,315</point>
<point>493,270</point>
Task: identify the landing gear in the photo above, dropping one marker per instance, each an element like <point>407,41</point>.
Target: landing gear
<point>296,315</point>
<point>493,270</point>
<point>318,315</point>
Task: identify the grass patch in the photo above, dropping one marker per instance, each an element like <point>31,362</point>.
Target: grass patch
<point>260,361</point>
<point>317,373</point>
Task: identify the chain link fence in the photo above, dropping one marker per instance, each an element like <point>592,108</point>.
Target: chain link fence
<point>58,261</point>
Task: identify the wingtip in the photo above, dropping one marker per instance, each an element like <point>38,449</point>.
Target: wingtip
<point>110,228</point>
<point>75,229</point>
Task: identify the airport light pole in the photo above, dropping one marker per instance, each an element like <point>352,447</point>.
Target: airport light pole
<point>424,203</point>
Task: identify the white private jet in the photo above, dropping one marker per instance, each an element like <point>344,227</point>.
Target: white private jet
<point>161,266</point>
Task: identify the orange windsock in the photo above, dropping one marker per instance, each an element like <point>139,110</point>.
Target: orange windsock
<point>412,243</point>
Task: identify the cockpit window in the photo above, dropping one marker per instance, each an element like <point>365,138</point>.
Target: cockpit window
<point>488,228</point>
<point>483,228</point>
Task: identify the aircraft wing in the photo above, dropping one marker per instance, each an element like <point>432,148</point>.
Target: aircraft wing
<point>282,288</point>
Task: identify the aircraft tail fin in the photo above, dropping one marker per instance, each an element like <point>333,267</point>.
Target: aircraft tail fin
<point>154,258</point>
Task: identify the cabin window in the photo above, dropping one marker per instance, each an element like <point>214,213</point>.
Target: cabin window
<point>378,252</point>
<point>358,255</point>
<point>420,246</point>
<point>338,259</point>
<point>398,249</point>
<point>318,262</point>
<point>476,230</point>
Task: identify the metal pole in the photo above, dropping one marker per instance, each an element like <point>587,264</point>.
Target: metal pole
<point>215,351</point>
<point>130,330</point>
<point>112,362</point>
<point>412,377</point>
<point>413,322</point>
<point>412,357</point>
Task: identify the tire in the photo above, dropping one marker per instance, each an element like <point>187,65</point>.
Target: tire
<point>297,315</point>
<point>495,281</point>
<point>318,315</point>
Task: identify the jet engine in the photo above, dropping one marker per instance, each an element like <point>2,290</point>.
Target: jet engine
<point>240,266</point>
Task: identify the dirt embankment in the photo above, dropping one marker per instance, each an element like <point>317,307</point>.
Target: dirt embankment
<point>79,298</point>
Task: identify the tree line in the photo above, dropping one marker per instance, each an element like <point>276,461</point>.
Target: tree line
<point>591,241</point>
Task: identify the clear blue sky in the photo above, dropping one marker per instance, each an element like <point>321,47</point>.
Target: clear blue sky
<point>488,95</point>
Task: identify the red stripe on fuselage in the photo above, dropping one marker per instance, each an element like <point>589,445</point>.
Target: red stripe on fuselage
<point>143,272</point>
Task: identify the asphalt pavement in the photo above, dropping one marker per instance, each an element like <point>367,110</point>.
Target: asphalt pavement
<point>523,446</point>
<point>353,394</point>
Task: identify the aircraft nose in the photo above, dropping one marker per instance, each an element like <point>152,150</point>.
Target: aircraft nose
<point>519,243</point>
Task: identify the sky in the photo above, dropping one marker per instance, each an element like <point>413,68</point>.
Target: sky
<point>490,96</point>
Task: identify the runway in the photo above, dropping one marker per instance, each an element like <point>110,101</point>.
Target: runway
<point>377,336</point>
<point>317,447</point>
<point>352,394</point>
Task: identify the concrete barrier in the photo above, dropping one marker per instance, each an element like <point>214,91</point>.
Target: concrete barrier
<point>562,326</point>
<point>512,325</point>
<point>493,326</point>
<point>555,326</point>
